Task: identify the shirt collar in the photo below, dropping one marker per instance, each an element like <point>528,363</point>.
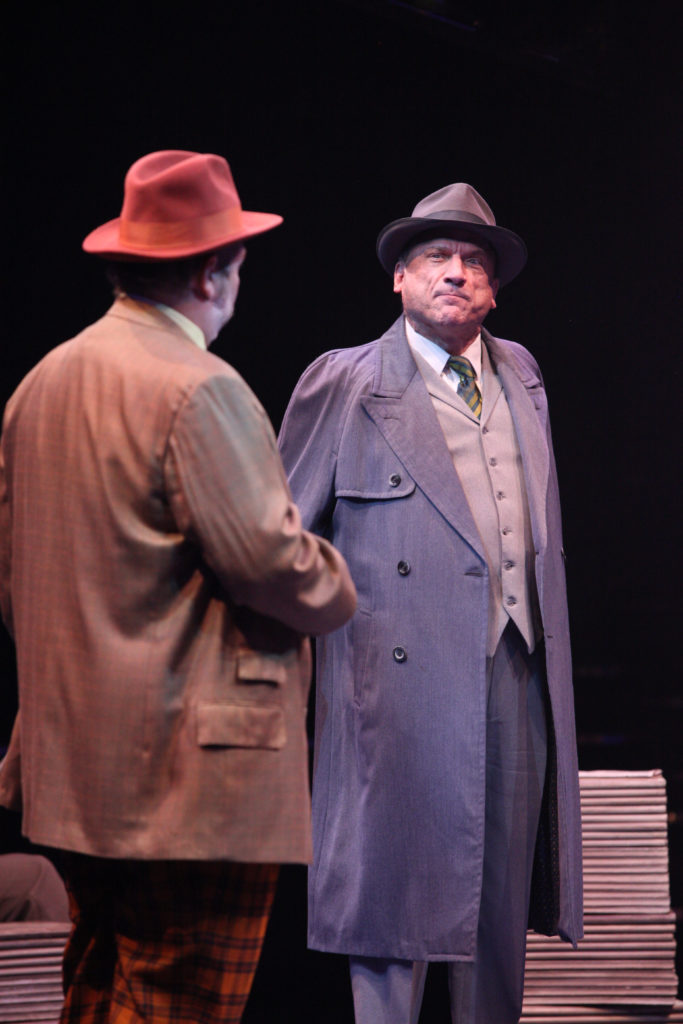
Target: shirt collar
<point>437,357</point>
<point>187,326</point>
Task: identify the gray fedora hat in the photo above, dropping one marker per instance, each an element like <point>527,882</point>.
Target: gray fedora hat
<point>454,211</point>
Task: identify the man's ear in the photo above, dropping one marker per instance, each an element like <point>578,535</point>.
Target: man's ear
<point>494,289</point>
<point>399,274</point>
<point>204,283</point>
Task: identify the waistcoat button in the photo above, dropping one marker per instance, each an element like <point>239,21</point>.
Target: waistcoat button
<point>403,568</point>
<point>399,654</point>
<point>394,479</point>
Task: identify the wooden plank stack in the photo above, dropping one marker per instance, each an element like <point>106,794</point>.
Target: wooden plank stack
<point>31,972</point>
<point>624,969</point>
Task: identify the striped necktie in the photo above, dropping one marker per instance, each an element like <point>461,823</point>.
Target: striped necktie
<point>467,388</point>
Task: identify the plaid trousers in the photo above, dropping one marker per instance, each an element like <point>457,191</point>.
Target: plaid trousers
<point>163,942</point>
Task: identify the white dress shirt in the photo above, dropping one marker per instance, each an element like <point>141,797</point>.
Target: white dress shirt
<point>437,357</point>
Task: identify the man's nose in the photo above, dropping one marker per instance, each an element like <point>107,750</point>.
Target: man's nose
<point>455,270</point>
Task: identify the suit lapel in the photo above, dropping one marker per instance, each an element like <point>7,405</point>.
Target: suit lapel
<point>528,406</point>
<point>402,411</point>
<point>491,386</point>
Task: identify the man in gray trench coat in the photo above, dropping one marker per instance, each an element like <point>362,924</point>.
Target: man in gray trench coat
<point>446,804</point>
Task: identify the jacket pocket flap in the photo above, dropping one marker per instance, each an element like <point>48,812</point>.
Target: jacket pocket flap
<point>253,666</point>
<point>240,725</point>
<point>401,490</point>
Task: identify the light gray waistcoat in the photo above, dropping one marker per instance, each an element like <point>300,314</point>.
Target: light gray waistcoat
<point>488,462</point>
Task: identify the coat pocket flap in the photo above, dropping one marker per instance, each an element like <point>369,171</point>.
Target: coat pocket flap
<point>252,666</point>
<point>389,482</point>
<point>368,469</point>
<point>240,725</point>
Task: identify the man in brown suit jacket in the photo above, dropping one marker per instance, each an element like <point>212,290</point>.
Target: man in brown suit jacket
<point>158,584</point>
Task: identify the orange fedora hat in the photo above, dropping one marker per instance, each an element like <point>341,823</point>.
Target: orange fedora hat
<point>177,204</point>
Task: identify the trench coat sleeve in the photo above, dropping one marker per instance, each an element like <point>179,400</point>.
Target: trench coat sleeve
<point>310,436</point>
<point>229,494</point>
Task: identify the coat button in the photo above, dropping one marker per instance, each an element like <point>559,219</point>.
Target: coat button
<point>394,479</point>
<point>403,568</point>
<point>399,654</point>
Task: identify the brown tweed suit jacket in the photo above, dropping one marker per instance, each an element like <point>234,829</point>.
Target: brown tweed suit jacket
<point>157,581</point>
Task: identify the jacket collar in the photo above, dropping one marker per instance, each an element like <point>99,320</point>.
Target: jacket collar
<point>146,314</point>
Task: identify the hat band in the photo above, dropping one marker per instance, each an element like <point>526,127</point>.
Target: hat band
<point>462,215</point>
<point>170,234</point>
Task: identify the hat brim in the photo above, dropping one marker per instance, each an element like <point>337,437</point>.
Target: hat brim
<point>105,240</point>
<point>394,239</point>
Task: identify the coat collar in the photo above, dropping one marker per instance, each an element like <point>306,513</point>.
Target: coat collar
<point>396,366</point>
<point>402,410</point>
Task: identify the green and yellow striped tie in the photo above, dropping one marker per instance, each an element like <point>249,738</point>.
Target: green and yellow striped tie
<point>467,388</point>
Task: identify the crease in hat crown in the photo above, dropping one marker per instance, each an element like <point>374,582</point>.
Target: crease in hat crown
<point>176,204</point>
<point>439,213</point>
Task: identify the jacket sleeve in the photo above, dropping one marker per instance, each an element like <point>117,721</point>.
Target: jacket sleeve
<point>310,437</point>
<point>5,549</point>
<point>229,494</point>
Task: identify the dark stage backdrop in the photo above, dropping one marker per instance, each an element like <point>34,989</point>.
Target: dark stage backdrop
<point>340,116</point>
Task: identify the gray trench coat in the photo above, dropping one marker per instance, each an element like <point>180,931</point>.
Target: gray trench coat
<point>398,791</point>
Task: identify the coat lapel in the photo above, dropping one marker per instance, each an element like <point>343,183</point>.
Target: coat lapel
<point>402,411</point>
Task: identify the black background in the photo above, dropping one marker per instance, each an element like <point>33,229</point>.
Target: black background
<point>341,116</point>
